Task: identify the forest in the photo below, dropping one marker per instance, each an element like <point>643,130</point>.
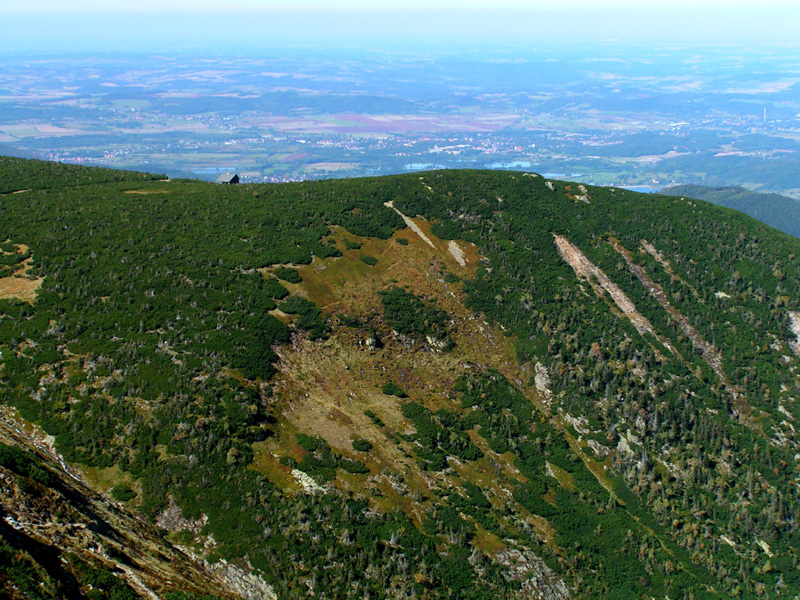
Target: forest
<point>613,460</point>
<point>775,210</point>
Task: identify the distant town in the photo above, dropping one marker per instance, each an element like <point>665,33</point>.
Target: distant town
<point>313,116</point>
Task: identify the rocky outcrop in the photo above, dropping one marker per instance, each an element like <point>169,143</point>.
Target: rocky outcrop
<point>457,253</point>
<point>61,522</point>
<point>794,325</point>
<point>172,519</point>
<point>411,225</point>
<point>537,580</point>
<point>246,583</point>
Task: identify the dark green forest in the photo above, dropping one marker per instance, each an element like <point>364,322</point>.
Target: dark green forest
<point>775,210</point>
<point>660,469</point>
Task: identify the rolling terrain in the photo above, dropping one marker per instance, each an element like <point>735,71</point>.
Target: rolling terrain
<point>455,384</point>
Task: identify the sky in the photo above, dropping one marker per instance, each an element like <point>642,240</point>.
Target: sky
<point>106,6</point>
<point>163,25</point>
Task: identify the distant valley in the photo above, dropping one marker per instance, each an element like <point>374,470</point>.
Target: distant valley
<point>612,114</point>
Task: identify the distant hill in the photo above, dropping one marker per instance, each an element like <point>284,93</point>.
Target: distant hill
<point>773,209</point>
<point>461,385</point>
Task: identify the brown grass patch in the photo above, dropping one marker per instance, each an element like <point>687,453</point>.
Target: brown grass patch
<point>347,284</point>
<point>107,478</point>
<point>19,285</point>
<point>563,477</point>
<point>266,462</point>
<point>488,542</point>
<point>20,288</point>
<point>325,387</point>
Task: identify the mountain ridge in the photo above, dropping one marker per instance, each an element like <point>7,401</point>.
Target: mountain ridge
<point>453,408</point>
<point>775,210</point>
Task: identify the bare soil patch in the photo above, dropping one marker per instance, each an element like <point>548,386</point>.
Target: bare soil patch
<point>20,285</point>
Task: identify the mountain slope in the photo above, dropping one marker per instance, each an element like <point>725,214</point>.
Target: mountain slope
<point>773,209</point>
<point>452,384</point>
<point>60,539</point>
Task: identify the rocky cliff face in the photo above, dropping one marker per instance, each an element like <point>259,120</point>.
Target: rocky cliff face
<point>65,540</point>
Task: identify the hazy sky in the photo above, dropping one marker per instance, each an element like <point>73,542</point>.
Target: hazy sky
<point>72,6</point>
<point>154,25</point>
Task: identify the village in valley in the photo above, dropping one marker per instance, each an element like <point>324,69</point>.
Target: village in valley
<point>276,117</point>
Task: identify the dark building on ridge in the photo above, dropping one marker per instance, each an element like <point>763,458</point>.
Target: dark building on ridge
<point>229,178</point>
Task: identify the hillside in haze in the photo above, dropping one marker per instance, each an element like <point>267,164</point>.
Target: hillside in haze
<point>450,384</point>
<point>773,209</point>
